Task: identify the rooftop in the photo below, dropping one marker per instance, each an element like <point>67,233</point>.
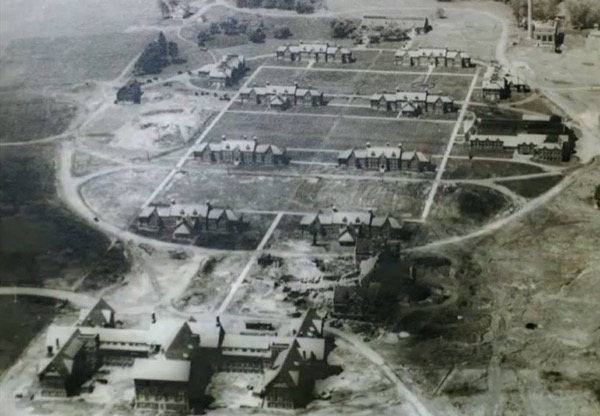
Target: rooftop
<point>161,369</point>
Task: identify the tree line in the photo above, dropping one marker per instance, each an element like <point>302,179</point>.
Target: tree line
<point>583,13</point>
<point>157,55</point>
<point>300,6</point>
<point>256,32</point>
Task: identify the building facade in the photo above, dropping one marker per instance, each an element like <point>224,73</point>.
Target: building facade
<point>317,51</point>
<point>547,148</point>
<point>347,227</point>
<point>385,159</point>
<point>241,152</point>
<point>433,57</point>
<point>282,96</point>
<point>412,104</point>
<point>229,70</point>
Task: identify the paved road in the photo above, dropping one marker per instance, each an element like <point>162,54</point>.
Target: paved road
<point>78,299</point>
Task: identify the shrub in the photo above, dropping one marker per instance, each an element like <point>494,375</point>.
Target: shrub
<point>282,32</point>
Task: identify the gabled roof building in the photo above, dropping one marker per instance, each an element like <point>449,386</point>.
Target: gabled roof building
<point>385,159</point>
<point>241,152</point>
<point>282,96</point>
<point>433,56</point>
<point>230,69</point>
<point>412,104</point>
<point>346,227</point>
<point>317,51</point>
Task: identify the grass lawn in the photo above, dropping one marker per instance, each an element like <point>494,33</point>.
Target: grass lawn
<point>532,188</point>
<point>63,61</point>
<point>17,333</point>
<point>485,169</point>
<point>32,117</point>
<point>454,87</point>
<point>342,82</point>
<point>242,190</point>
<point>332,133</point>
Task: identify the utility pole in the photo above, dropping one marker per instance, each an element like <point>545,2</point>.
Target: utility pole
<point>529,16</point>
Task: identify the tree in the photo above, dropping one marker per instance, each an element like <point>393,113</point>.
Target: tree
<point>342,28</point>
<point>204,35</point>
<point>304,7</point>
<point>282,32</point>
<point>162,43</point>
<point>542,9</point>
<point>173,50</point>
<point>257,35</point>
<point>214,28</point>
<point>164,9</point>
<point>426,26</point>
<point>584,13</point>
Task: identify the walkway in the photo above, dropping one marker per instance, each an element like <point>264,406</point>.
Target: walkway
<point>442,166</point>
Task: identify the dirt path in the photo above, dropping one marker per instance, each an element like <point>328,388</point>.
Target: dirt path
<point>442,165</point>
<point>420,405</point>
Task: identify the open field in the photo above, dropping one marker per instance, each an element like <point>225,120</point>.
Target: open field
<point>532,188</point>
<point>17,333</point>
<point>32,117</point>
<point>454,87</point>
<point>118,196</point>
<point>333,133</point>
<point>62,61</point>
<point>485,169</point>
<point>255,192</point>
<point>302,29</point>
<point>347,82</point>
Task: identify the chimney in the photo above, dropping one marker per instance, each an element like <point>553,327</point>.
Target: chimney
<point>49,348</point>
<point>294,332</point>
<point>153,318</point>
<point>254,139</point>
<point>268,83</point>
<point>368,145</point>
<point>218,321</point>
<point>57,344</point>
<point>334,209</point>
<point>304,355</point>
<point>173,202</point>
<point>398,90</point>
<point>371,216</point>
<point>223,137</point>
<point>245,137</point>
<point>387,144</point>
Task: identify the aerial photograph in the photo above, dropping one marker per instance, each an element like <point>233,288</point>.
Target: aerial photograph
<point>300,207</point>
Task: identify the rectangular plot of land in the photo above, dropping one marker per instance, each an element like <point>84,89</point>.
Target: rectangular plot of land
<point>426,137</point>
<point>244,191</point>
<point>343,82</point>
<point>453,87</point>
<point>273,128</point>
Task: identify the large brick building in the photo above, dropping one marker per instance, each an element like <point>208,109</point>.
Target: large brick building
<point>282,96</point>
<point>173,360</point>
<point>412,104</point>
<point>346,227</point>
<point>433,56</point>
<point>385,159</point>
<point>229,70</point>
<point>241,152</point>
<point>315,51</point>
